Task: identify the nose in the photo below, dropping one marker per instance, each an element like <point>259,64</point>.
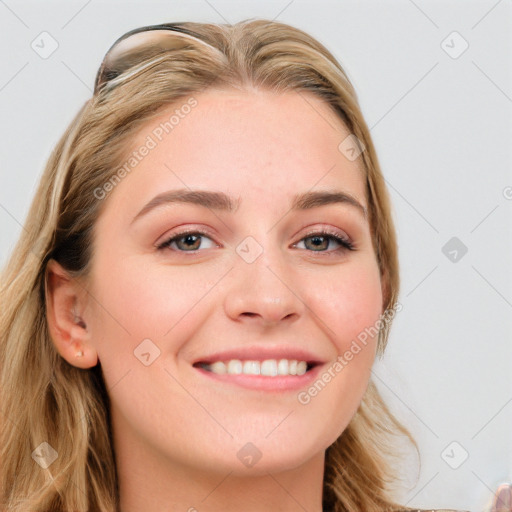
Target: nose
<point>263,292</point>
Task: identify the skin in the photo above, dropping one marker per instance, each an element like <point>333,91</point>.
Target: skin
<point>177,433</point>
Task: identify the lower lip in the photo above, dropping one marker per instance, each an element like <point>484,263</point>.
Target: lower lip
<point>258,382</point>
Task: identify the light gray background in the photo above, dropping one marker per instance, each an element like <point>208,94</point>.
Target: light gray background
<point>443,131</point>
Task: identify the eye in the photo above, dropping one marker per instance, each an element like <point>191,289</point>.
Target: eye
<point>187,241</point>
<point>321,239</point>
<point>191,241</point>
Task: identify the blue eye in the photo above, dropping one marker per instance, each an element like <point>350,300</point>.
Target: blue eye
<point>191,241</point>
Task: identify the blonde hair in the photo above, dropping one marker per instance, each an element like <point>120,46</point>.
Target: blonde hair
<point>45,399</point>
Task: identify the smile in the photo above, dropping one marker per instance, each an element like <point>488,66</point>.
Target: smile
<point>267,368</point>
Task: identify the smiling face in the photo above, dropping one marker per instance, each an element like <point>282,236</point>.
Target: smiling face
<point>260,281</point>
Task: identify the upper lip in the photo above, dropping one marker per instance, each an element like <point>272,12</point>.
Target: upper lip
<point>260,353</point>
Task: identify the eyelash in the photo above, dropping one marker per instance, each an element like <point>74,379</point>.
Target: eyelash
<point>346,245</point>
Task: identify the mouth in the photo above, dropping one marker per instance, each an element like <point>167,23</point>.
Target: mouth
<point>270,368</point>
<point>270,375</point>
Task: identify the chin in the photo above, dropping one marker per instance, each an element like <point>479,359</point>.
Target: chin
<point>258,456</point>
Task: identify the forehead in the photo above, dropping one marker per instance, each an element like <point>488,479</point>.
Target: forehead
<point>244,143</point>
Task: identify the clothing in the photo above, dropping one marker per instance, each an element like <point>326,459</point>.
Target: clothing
<point>432,510</point>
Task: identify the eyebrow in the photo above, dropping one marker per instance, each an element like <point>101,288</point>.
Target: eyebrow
<point>222,202</point>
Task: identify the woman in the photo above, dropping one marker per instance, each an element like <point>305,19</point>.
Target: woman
<point>208,271</point>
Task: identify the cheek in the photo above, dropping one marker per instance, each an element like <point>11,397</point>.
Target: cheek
<point>349,302</point>
<point>347,307</point>
<point>139,301</point>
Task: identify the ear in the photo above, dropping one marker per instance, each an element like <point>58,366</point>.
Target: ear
<point>65,306</point>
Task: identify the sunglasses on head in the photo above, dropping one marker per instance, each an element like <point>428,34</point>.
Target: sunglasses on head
<point>139,45</point>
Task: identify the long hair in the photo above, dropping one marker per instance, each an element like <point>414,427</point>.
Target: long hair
<point>43,398</point>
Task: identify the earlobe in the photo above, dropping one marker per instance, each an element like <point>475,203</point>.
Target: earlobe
<point>65,300</point>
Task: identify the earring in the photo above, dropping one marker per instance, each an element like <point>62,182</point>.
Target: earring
<point>79,353</point>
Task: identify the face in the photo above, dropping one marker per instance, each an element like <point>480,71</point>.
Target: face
<point>179,286</point>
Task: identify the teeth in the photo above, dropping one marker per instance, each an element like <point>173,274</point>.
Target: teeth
<point>268,368</point>
<point>251,368</point>
<point>302,367</point>
<point>282,367</point>
<point>234,367</point>
<point>218,367</point>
